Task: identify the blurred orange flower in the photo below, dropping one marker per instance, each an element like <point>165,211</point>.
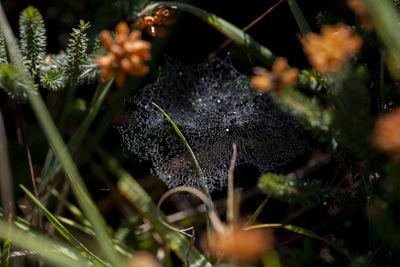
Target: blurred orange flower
<point>280,77</point>
<point>143,258</point>
<point>127,53</point>
<point>237,245</point>
<point>387,134</point>
<point>328,51</point>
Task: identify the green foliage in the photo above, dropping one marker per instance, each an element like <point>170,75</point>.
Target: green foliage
<point>77,48</point>
<point>309,192</point>
<point>352,114</point>
<point>308,111</point>
<point>5,254</point>
<point>32,38</point>
<point>11,80</point>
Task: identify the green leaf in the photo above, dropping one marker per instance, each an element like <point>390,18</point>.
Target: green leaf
<point>5,254</point>
<point>226,28</point>
<point>313,235</point>
<point>148,209</point>
<point>55,165</point>
<point>13,83</point>
<point>308,111</point>
<point>49,250</point>
<point>300,19</point>
<point>254,216</point>
<point>309,192</point>
<point>32,38</point>
<point>386,23</point>
<point>63,231</point>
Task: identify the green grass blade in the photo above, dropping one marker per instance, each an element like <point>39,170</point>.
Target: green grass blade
<point>5,253</point>
<point>313,235</point>
<point>254,217</point>
<point>300,19</point>
<point>386,23</point>
<point>74,210</point>
<point>226,28</point>
<point>56,143</point>
<point>148,209</point>
<point>196,163</point>
<point>77,137</point>
<point>63,231</point>
<point>49,250</point>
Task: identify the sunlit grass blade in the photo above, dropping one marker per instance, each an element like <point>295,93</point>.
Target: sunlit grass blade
<point>300,19</point>
<point>76,138</point>
<point>226,28</point>
<point>386,21</point>
<point>63,231</point>
<point>120,247</point>
<point>56,143</point>
<point>5,253</point>
<point>254,216</point>
<point>132,191</point>
<point>74,210</point>
<point>49,250</point>
<point>196,163</point>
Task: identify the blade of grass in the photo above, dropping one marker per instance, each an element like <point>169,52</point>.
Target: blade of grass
<point>74,210</point>
<point>196,163</point>
<point>6,183</point>
<point>132,191</point>
<point>120,247</point>
<point>304,232</point>
<point>49,250</point>
<point>386,21</point>
<point>63,231</point>
<point>254,217</point>
<point>300,19</point>
<point>77,137</point>
<point>223,26</point>
<point>56,143</point>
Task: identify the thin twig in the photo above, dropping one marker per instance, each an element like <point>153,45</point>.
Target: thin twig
<point>29,160</point>
<point>214,53</point>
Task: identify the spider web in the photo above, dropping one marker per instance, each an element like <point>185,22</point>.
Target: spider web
<point>214,106</point>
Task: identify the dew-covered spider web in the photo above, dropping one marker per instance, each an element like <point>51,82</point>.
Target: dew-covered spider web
<point>214,106</point>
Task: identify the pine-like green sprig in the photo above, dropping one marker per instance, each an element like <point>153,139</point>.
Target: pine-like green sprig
<point>3,51</point>
<point>53,80</point>
<point>77,48</point>
<point>32,38</point>
<point>309,192</point>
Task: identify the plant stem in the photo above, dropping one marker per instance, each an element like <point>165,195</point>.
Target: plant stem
<point>29,161</point>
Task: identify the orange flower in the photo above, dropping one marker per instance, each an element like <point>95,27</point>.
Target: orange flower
<point>328,51</point>
<point>387,134</point>
<point>280,77</point>
<point>127,54</point>
<point>237,245</point>
<point>161,16</point>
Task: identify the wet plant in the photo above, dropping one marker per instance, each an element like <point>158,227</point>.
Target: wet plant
<point>297,145</point>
